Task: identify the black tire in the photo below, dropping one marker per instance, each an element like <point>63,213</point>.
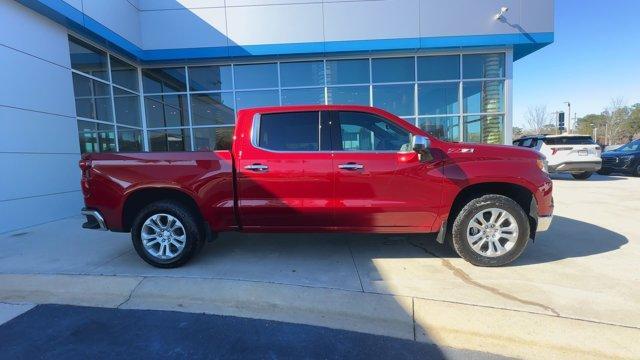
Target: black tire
<point>582,176</point>
<point>636,170</point>
<point>189,221</point>
<point>475,206</point>
<point>604,172</point>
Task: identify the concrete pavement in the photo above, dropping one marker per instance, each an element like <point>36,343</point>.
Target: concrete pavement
<point>578,278</point>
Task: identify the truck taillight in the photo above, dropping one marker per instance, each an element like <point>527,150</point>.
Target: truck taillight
<point>85,167</point>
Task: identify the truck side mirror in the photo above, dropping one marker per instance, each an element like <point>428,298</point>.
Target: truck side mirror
<point>420,143</point>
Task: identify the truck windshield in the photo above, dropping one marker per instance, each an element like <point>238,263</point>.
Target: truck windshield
<point>632,146</point>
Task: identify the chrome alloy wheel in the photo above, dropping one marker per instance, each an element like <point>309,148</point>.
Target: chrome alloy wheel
<point>492,232</point>
<point>163,236</point>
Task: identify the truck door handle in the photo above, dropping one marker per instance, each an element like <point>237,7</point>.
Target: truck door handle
<point>257,167</point>
<point>351,166</point>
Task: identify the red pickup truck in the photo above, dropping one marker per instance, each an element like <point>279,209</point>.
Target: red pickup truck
<point>322,169</point>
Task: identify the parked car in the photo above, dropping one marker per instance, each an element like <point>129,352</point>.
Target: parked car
<point>577,155</point>
<point>624,159</point>
<point>322,169</point>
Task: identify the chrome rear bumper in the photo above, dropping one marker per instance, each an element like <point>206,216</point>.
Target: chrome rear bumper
<point>95,221</point>
<point>544,222</point>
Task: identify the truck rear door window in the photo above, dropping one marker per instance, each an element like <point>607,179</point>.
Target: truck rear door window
<point>291,131</point>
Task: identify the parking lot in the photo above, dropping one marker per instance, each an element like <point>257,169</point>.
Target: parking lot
<point>573,292</point>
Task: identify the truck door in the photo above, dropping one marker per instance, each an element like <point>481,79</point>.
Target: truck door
<point>285,178</point>
<point>381,185</point>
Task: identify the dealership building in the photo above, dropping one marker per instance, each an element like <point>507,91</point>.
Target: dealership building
<point>169,75</point>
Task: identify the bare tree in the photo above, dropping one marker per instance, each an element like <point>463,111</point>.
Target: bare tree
<point>537,118</point>
<point>615,117</point>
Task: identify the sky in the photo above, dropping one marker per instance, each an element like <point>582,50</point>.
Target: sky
<point>595,57</point>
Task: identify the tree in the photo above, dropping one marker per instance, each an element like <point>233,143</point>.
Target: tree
<point>616,115</point>
<point>586,125</point>
<point>537,117</point>
<point>632,125</point>
<point>517,132</point>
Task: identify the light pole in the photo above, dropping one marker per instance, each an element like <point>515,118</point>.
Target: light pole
<point>568,118</point>
<point>595,132</point>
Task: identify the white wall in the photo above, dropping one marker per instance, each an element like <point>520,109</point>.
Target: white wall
<point>39,149</point>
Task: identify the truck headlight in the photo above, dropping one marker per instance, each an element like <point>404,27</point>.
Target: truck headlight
<point>543,165</point>
<point>626,158</point>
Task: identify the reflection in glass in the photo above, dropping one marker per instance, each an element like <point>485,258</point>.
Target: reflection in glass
<point>212,109</point>
<point>88,59</point>
<point>93,98</point>
<point>129,139</point>
<point>164,80</point>
<point>347,71</point>
<point>210,78</point>
<point>483,96</point>
<point>439,68</point>
<point>256,76</point>
<point>166,110</point>
<point>169,140</point>
<point>438,98</point>
<point>348,95</point>
<point>213,138</point>
<point>484,128</point>
<point>127,105</point>
<point>310,96</point>
<point>306,73</point>
<point>124,74</point>
<point>96,137</point>
<point>442,127</point>
<point>249,99</point>
<point>396,99</point>
<point>393,70</point>
<point>479,66</point>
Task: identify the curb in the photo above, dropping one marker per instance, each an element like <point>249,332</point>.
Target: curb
<point>492,330</point>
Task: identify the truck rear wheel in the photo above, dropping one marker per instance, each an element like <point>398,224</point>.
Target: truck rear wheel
<point>491,230</point>
<point>165,234</point>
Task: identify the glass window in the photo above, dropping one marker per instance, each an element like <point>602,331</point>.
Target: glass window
<point>293,131</point>
<point>169,140</point>
<point>96,137</point>
<point>127,105</point>
<point>442,127</point>
<point>348,95</point>
<point>439,68</point>
<point>438,98</point>
<point>129,139</point>
<point>93,98</point>
<point>396,99</point>
<point>484,128</point>
<point>483,96</point>
<point>250,99</point>
<point>393,70</point>
<point>479,66</point>
<point>209,78</point>
<point>568,140</point>
<point>212,109</point>
<point>88,59</point>
<point>213,138</point>
<point>310,96</point>
<point>124,74</point>
<point>367,132</point>
<point>163,80</point>
<point>347,71</point>
<point>166,110</point>
<point>307,73</point>
<point>256,76</point>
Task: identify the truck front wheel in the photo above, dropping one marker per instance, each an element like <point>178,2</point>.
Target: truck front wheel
<point>165,234</point>
<point>491,230</point>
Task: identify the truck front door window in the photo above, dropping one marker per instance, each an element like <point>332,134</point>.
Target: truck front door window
<point>367,132</point>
